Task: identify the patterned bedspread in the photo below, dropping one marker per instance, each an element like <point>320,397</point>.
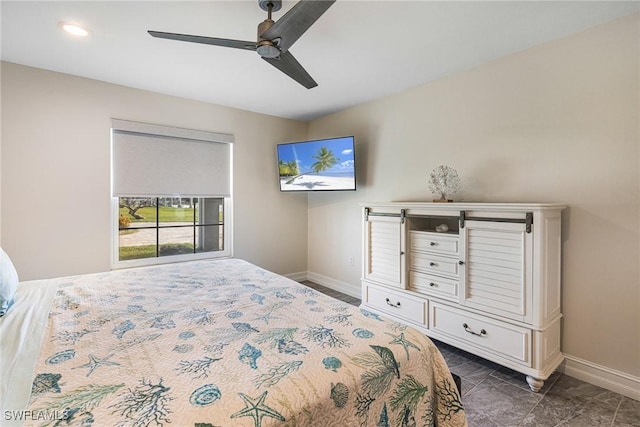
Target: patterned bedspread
<point>226,343</point>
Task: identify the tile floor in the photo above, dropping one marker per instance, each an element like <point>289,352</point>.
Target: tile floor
<point>497,396</point>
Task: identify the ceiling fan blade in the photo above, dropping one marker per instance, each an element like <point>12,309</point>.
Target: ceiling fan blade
<point>291,67</point>
<point>238,44</point>
<point>296,21</point>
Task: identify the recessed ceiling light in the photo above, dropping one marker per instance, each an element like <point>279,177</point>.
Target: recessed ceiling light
<point>76,30</point>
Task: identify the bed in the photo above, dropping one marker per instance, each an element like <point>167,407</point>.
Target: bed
<point>212,343</point>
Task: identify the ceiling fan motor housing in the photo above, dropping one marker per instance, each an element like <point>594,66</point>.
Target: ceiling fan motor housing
<point>266,48</point>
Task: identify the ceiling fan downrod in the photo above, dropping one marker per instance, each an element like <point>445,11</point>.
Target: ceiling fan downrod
<point>266,48</point>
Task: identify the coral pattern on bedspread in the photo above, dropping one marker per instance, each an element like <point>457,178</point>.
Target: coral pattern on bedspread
<point>226,343</point>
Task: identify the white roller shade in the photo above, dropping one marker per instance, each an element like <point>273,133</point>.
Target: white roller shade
<point>151,160</point>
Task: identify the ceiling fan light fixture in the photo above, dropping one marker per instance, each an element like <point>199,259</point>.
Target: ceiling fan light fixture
<point>74,29</point>
<point>268,50</point>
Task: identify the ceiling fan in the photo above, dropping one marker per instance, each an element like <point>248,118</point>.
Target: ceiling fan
<point>274,38</point>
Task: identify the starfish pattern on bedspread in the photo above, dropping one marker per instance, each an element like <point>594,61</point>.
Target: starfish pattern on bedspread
<point>401,340</point>
<point>94,363</point>
<point>257,409</point>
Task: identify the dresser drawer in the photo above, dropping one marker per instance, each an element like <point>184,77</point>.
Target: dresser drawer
<point>505,340</point>
<point>433,263</point>
<point>396,304</point>
<point>433,285</point>
<point>433,242</point>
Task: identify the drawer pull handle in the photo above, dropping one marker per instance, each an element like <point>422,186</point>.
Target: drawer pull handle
<point>396,305</point>
<point>461,262</point>
<point>432,243</point>
<point>433,264</point>
<point>432,284</point>
<point>466,328</point>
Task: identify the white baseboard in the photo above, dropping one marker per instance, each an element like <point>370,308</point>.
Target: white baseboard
<point>298,277</point>
<point>616,381</point>
<point>336,285</point>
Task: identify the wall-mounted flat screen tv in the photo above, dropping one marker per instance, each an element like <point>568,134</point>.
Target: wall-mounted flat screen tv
<point>319,165</point>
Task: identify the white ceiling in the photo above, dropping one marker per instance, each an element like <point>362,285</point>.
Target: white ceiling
<point>357,51</point>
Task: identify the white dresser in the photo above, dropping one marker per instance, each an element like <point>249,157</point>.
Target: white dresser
<point>489,284</point>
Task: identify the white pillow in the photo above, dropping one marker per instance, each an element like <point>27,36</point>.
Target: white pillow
<point>8,282</point>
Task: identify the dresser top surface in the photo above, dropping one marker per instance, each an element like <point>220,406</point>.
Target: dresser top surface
<point>460,206</point>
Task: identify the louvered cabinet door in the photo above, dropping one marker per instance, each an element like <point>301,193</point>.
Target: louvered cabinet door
<point>384,251</point>
<point>496,274</point>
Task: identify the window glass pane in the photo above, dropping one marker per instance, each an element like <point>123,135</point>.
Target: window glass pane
<point>136,212</point>
<point>211,212</point>
<point>209,238</point>
<point>136,243</point>
<point>175,241</point>
<point>175,211</point>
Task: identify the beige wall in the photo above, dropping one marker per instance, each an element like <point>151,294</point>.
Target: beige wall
<point>555,123</point>
<point>0,158</point>
<point>55,172</point>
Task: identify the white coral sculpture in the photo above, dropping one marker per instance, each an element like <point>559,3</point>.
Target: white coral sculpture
<point>444,181</point>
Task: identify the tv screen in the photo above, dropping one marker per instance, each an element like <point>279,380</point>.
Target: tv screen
<point>320,165</point>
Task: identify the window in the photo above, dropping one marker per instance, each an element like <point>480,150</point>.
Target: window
<point>167,226</point>
<point>171,194</point>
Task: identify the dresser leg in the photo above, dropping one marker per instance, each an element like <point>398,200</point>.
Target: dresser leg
<point>534,383</point>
